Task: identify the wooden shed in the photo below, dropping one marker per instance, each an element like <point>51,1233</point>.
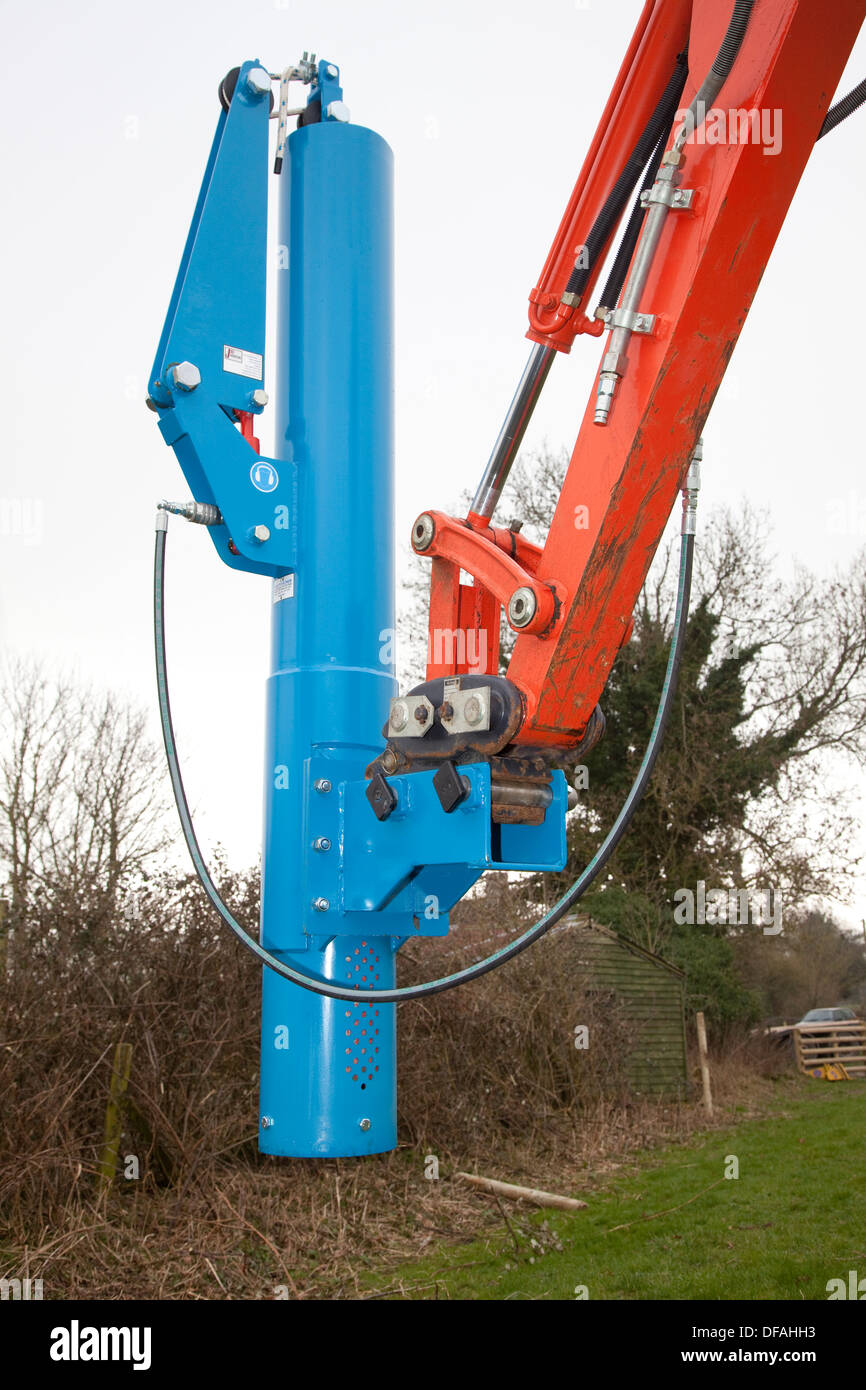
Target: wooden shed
<point>651,994</point>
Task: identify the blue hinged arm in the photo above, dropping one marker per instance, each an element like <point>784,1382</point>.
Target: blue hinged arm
<point>209,366</point>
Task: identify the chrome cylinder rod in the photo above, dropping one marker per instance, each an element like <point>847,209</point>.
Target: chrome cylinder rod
<point>512,432</point>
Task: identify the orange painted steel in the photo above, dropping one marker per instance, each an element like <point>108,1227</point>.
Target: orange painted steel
<point>624,477</point>
<point>660,35</point>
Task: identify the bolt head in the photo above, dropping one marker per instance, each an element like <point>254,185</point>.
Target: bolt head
<point>422,714</point>
<point>261,534</point>
<point>185,376</point>
<point>322,844</point>
<point>423,532</point>
<point>521,607</point>
<point>321,904</point>
<point>337,111</point>
<point>258,82</point>
<point>399,715</point>
<point>364,1124</point>
<point>259,399</point>
<point>267,1122</point>
<point>472,710</point>
<point>322,785</point>
<point>332,70</point>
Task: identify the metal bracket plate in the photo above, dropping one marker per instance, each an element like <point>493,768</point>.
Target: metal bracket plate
<point>470,709</point>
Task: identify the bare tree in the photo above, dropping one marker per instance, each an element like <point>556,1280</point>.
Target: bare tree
<point>82,801</point>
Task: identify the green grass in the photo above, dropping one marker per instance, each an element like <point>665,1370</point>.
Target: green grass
<point>793,1219</point>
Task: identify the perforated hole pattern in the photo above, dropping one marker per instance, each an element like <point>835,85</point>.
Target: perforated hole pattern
<point>361,1024</point>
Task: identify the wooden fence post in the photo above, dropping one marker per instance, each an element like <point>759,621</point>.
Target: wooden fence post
<point>705,1069</point>
<point>114,1114</point>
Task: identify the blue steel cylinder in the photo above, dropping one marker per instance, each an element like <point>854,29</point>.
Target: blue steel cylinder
<point>328,1073</point>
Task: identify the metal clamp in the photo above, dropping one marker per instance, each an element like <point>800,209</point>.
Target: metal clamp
<point>632,319</point>
<point>678,198</point>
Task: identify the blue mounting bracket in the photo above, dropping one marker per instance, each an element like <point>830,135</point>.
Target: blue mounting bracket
<point>414,866</point>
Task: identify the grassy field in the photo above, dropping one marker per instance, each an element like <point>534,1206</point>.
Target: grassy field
<point>794,1218</point>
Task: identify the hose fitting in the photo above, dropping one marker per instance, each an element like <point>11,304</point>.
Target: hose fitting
<point>202,513</point>
<point>691,488</point>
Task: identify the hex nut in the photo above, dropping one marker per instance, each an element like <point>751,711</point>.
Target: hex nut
<point>185,376</point>
<point>337,111</point>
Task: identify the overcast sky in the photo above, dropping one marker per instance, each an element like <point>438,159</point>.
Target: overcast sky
<point>489,107</point>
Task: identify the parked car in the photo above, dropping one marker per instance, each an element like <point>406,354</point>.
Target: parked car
<point>838,1015</point>
<point>782,1032</point>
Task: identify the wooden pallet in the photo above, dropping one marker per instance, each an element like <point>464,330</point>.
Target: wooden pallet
<point>817,1043</point>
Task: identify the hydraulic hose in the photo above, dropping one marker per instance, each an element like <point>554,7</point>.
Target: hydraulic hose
<point>535,373</point>
<point>844,108</point>
<point>658,124</point>
<point>719,71</point>
<point>514,948</point>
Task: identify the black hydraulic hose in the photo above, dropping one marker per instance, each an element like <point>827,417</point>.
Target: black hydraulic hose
<point>844,108</point>
<point>629,239</point>
<point>506,953</point>
<point>723,61</point>
<point>602,229</point>
<point>705,96</point>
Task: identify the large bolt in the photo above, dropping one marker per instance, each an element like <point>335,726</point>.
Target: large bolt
<point>259,398</point>
<point>399,715</point>
<point>337,111</point>
<point>422,714</point>
<point>323,844</point>
<point>267,1122</point>
<point>185,376</point>
<point>322,785</point>
<point>261,534</point>
<point>258,81</point>
<point>320,904</point>
<point>521,607</point>
<point>423,532</point>
<point>364,1124</point>
<point>473,711</point>
<point>332,70</point>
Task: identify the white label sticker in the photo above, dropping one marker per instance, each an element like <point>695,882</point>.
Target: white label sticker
<point>284,587</point>
<point>242,363</point>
